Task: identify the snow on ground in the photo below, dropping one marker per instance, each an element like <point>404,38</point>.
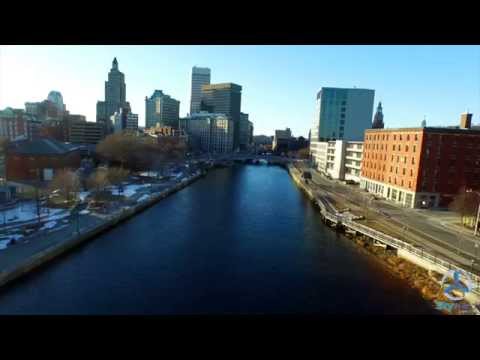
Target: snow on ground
<point>149,173</point>
<point>143,198</point>
<point>48,225</point>
<point>130,190</point>
<point>27,211</point>
<point>82,195</point>
<point>4,242</point>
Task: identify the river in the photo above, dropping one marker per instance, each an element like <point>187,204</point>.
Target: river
<point>242,240</point>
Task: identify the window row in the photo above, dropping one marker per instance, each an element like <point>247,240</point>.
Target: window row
<point>377,137</point>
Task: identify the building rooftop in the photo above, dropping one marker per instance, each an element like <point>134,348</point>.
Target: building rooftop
<point>204,114</point>
<point>42,147</point>
<point>222,86</point>
<point>431,129</point>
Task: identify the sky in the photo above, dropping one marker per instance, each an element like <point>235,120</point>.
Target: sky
<point>279,83</point>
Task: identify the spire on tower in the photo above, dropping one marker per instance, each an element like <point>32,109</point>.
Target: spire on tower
<point>115,64</point>
<point>378,118</point>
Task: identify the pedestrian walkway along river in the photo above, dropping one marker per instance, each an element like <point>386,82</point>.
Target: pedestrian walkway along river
<point>242,240</point>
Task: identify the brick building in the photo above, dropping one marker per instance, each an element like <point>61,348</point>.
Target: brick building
<point>420,167</point>
<point>32,162</point>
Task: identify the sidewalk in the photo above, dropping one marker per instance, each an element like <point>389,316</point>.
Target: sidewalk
<point>410,225</point>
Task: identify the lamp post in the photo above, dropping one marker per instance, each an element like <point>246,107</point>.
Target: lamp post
<point>478,211</point>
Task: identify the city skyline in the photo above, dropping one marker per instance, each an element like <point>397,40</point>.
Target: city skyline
<point>279,82</point>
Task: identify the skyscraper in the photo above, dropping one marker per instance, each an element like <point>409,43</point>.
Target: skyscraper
<point>200,76</point>
<point>161,109</point>
<point>225,99</point>
<point>378,119</point>
<point>209,132</point>
<point>115,97</point>
<point>124,120</point>
<point>342,114</point>
<point>246,132</point>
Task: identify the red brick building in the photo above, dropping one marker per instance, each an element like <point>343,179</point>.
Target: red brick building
<point>37,161</point>
<point>420,167</point>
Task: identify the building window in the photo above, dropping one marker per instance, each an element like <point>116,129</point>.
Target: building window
<point>394,137</point>
<point>411,172</point>
<point>398,159</point>
<point>416,137</point>
<point>400,137</point>
<point>406,148</point>
<point>414,148</point>
<point>413,161</point>
<point>393,147</point>
<point>408,137</point>
<point>400,146</point>
<point>403,171</point>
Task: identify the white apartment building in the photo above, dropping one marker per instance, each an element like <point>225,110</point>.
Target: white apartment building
<point>209,132</point>
<point>339,159</point>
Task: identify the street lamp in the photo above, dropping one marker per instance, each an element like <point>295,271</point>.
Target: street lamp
<point>478,211</point>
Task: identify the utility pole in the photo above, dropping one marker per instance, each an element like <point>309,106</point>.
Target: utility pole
<point>478,211</point>
<point>37,195</point>
<point>477,220</point>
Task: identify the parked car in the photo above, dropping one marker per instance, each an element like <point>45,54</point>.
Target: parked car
<point>306,175</point>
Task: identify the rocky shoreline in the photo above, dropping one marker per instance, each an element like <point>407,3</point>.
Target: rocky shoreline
<point>427,283</point>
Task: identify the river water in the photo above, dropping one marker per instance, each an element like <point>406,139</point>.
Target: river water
<point>242,240</point>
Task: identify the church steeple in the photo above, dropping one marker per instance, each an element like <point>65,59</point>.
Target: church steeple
<point>115,64</point>
<point>378,119</point>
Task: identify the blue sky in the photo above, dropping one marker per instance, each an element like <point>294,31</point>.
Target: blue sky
<point>279,82</point>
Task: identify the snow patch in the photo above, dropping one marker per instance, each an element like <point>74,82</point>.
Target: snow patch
<point>130,190</point>
<point>143,198</point>
<point>48,225</point>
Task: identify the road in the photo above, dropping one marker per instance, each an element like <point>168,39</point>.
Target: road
<point>419,227</point>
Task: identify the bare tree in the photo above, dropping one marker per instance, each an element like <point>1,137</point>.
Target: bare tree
<point>466,204</point>
<point>98,180</point>
<point>116,175</point>
<point>67,183</point>
<point>140,153</point>
<point>303,153</point>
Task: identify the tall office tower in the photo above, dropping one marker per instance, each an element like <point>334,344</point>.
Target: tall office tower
<point>378,119</point>
<point>342,114</point>
<point>225,99</point>
<point>246,132</point>
<point>52,108</point>
<point>124,120</point>
<point>161,109</point>
<point>56,98</point>
<point>200,76</point>
<point>115,97</point>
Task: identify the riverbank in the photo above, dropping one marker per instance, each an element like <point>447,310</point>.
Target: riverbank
<point>423,277</point>
<point>31,258</point>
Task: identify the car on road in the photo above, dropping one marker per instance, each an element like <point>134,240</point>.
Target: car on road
<point>306,175</point>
